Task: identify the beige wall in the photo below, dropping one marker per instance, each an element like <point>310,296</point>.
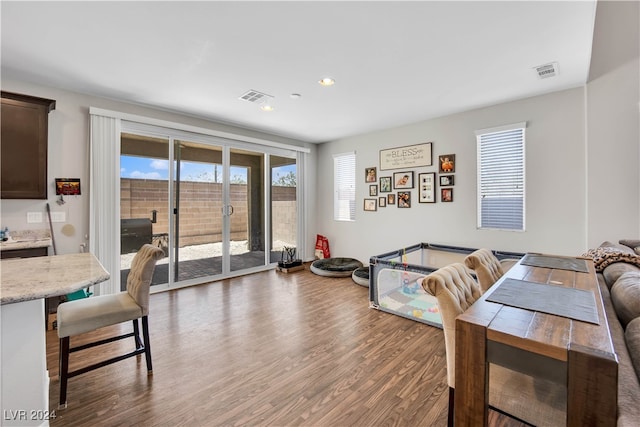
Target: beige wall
<point>69,157</point>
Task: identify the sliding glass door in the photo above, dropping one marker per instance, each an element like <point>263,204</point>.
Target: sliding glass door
<point>202,202</point>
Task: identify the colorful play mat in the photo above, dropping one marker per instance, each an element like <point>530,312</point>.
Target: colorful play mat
<point>405,296</point>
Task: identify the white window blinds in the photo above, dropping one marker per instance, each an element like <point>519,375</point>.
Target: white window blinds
<point>344,187</point>
<point>501,183</point>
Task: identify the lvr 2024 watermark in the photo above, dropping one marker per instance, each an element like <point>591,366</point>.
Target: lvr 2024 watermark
<point>27,415</point>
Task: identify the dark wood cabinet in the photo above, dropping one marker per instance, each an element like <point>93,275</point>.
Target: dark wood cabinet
<point>24,253</point>
<point>24,127</point>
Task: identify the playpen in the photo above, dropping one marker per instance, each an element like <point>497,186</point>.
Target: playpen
<point>396,279</point>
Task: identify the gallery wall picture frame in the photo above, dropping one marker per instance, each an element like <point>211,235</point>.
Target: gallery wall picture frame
<point>410,156</point>
<point>402,180</point>
<point>385,184</point>
<point>404,199</point>
<point>447,163</point>
<point>446,180</point>
<point>382,202</point>
<point>446,195</point>
<point>427,187</point>
<point>370,174</point>
<point>391,199</point>
<point>370,205</point>
<point>373,190</point>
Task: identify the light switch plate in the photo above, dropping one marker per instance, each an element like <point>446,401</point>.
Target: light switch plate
<point>58,216</point>
<point>34,217</point>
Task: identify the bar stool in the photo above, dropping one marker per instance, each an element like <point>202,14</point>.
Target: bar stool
<point>85,315</point>
<point>487,267</point>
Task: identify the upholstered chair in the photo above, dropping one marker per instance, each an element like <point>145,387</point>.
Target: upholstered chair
<point>536,401</point>
<point>487,267</point>
<point>85,315</point>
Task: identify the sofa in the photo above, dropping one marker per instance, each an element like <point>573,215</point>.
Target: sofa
<point>618,272</point>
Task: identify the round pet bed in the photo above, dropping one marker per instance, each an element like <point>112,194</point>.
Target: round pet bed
<point>335,267</point>
<point>361,276</point>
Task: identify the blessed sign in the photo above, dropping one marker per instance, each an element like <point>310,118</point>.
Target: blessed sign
<point>411,156</point>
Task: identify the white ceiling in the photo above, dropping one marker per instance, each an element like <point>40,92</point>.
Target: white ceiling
<point>394,62</point>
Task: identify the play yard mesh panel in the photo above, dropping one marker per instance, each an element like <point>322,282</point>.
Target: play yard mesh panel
<point>396,279</point>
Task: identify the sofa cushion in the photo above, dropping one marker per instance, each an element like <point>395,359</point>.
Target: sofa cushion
<point>628,383</point>
<point>632,243</point>
<point>612,272</point>
<point>625,294</point>
<point>617,247</point>
<point>632,337</point>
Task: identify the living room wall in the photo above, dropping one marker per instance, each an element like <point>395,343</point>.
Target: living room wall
<point>555,182</point>
<point>582,156</point>
<point>69,157</point>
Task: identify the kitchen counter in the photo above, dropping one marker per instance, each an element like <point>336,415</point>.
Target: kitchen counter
<point>27,239</point>
<point>27,279</point>
<point>25,282</point>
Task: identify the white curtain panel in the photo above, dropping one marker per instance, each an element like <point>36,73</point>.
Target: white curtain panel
<point>104,205</point>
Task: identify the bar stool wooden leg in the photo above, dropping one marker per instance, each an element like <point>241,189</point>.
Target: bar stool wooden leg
<point>147,343</point>
<point>136,334</point>
<point>64,371</point>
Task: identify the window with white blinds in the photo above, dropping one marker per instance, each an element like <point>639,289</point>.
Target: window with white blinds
<point>344,187</point>
<point>501,183</point>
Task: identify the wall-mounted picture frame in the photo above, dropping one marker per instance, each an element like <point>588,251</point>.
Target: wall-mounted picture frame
<point>385,184</point>
<point>404,199</point>
<point>373,190</point>
<point>447,163</point>
<point>391,199</point>
<point>382,202</point>
<point>427,187</point>
<point>370,175</point>
<point>446,180</point>
<point>402,180</point>
<point>446,195</point>
<point>410,156</point>
<point>370,205</point>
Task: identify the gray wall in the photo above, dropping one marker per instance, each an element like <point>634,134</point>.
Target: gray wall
<point>582,157</point>
<point>613,127</point>
<point>555,182</point>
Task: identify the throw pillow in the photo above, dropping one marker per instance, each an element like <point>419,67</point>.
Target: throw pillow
<point>632,338</point>
<point>625,295</point>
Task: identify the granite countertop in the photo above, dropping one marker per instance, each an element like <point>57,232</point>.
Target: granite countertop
<point>27,239</point>
<point>26,279</point>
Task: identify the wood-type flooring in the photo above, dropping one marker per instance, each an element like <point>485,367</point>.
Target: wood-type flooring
<point>266,349</point>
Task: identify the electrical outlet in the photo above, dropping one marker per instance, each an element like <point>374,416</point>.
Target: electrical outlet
<point>58,216</point>
<point>34,217</point>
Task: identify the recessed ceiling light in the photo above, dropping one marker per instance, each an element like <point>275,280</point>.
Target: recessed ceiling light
<point>295,96</point>
<point>327,81</point>
<point>267,107</point>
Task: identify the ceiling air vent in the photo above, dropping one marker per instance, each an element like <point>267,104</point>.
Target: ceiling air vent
<point>255,96</point>
<point>547,70</point>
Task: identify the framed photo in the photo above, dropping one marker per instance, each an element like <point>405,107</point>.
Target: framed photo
<point>370,204</point>
<point>447,163</point>
<point>370,175</point>
<point>446,195</point>
<point>373,190</point>
<point>382,202</point>
<point>391,199</point>
<point>427,187</point>
<point>404,199</point>
<point>446,180</point>
<point>402,180</point>
<point>385,184</point>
